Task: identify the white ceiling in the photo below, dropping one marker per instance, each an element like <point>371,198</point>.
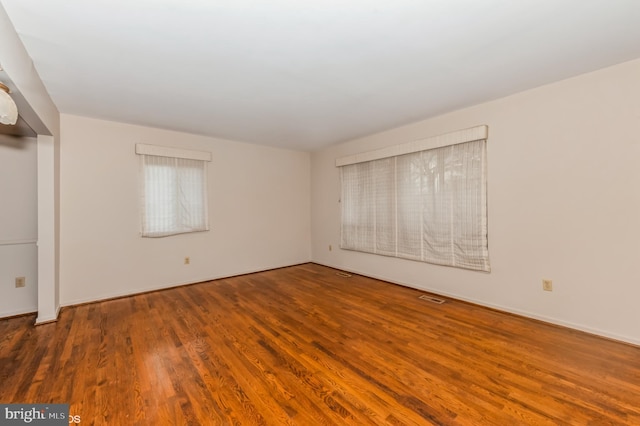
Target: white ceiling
<point>304,74</point>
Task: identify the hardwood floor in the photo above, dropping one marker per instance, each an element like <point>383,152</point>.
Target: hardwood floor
<point>303,346</point>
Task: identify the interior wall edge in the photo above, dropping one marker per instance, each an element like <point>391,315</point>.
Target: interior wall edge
<point>40,320</point>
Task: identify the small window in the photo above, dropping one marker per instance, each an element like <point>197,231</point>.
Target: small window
<point>173,190</point>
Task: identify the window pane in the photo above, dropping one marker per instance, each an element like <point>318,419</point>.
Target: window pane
<point>358,208</point>
<point>384,172</point>
<point>174,196</point>
<point>409,206</point>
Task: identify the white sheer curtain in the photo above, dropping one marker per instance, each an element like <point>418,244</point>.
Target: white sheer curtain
<point>429,205</point>
<point>174,195</point>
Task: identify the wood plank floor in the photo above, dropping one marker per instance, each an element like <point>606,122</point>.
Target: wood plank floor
<point>303,346</point>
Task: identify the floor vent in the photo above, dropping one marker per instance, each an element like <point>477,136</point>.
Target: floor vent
<point>432,299</point>
<point>343,274</point>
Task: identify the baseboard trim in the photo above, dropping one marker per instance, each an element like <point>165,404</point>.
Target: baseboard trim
<point>507,310</point>
<point>171,286</point>
<point>49,320</point>
<point>18,315</point>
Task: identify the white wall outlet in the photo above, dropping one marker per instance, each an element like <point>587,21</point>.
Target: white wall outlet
<point>21,282</point>
<point>547,285</point>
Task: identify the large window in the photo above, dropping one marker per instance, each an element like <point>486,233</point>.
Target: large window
<point>428,205</point>
<point>173,190</point>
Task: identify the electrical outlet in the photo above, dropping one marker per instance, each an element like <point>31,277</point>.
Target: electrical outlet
<point>547,285</point>
<point>330,248</point>
<point>20,282</point>
<point>187,260</point>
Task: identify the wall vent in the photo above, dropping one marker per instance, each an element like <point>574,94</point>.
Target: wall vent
<point>432,299</point>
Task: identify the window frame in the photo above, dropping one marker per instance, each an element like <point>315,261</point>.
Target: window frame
<point>184,203</point>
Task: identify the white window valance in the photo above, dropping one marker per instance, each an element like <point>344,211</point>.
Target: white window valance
<point>165,151</point>
<point>453,138</point>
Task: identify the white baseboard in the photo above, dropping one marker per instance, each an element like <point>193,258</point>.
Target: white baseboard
<point>45,320</point>
<point>527,314</point>
<point>117,295</point>
<point>18,312</point>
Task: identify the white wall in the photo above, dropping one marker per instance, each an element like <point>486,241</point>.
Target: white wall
<point>564,204</point>
<point>258,205</point>
<point>18,225</point>
<point>38,110</point>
